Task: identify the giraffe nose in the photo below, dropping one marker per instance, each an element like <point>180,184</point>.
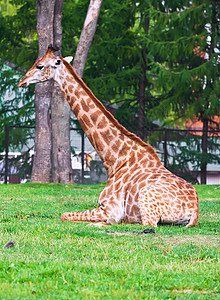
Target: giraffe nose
<point>22,82</point>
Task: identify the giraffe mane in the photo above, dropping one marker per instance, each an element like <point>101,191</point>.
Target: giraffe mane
<point>53,47</point>
<point>132,136</point>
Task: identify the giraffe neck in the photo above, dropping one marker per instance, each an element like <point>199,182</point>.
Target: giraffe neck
<point>112,141</point>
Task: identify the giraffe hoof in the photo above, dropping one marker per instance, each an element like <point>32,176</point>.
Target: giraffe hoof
<point>148,230</point>
<point>111,221</point>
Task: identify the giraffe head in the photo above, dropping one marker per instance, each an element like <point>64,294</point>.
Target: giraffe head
<point>45,68</point>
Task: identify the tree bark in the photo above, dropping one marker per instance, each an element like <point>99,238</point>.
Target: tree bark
<point>61,154</point>
<point>42,163</point>
<point>60,116</point>
<point>204,150</point>
<point>43,92</point>
<point>142,87</point>
<point>86,36</point>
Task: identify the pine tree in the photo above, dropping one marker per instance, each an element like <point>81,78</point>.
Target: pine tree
<point>185,46</point>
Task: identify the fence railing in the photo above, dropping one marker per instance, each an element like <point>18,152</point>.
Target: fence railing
<point>179,150</point>
<point>186,154</point>
<point>6,162</point>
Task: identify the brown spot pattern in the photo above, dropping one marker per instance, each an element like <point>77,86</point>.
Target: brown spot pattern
<point>84,106</point>
<point>76,109</point>
<point>86,122</point>
<point>116,145</point>
<point>106,135</point>
<point>77,94</point>
<point>70,88</point>
<point>94,117</point>
<point>98,143</point>
<point>102,123</point>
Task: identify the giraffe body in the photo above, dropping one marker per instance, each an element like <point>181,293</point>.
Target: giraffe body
<point>139,188</point>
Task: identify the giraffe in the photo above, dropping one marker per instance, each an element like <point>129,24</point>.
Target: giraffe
<point>139,188</point>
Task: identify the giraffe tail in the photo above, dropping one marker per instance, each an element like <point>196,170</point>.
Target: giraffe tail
<point>92,215</point>
<point>194,219</point>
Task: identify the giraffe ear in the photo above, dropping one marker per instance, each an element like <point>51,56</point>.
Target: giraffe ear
<point>68,59</point>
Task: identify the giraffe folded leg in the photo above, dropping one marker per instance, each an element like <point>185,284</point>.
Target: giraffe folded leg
<point>92,215</point>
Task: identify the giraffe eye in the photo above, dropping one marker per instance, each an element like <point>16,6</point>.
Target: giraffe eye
<point>58,62</point>
<point>39,67</point>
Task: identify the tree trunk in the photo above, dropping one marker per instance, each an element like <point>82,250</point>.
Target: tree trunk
<point>142,86</point>
<point>42,163</point>
<point>60,116</point>
<point>43,92</point>
<point>204,150</point>
<point>86,36</point>
<point>61,154</point>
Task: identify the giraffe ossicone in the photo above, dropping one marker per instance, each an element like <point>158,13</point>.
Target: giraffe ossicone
<point>139,188</point>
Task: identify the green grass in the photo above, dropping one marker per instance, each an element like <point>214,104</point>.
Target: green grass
<point>54,260</point>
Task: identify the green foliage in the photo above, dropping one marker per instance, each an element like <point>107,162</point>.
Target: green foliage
<point>17,110</point>
<point>69,260</point>
<point>74,13</point>
<point>183,41</point>
<point>7,8</point>
<point>18,42</point>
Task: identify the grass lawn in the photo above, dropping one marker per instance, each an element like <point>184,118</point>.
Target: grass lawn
<point>54,260</point>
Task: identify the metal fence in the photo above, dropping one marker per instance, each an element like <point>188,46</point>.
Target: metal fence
<point>179,150</point>
<point>185,153</point>
<point>16,161</point>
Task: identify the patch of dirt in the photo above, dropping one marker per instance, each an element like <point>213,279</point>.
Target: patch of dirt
<point>198,240</point>
<point>211,199</point>
<point>119,233</point>
<point>99,225</point>
<point>147,231</point>
<point>193,291</point>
